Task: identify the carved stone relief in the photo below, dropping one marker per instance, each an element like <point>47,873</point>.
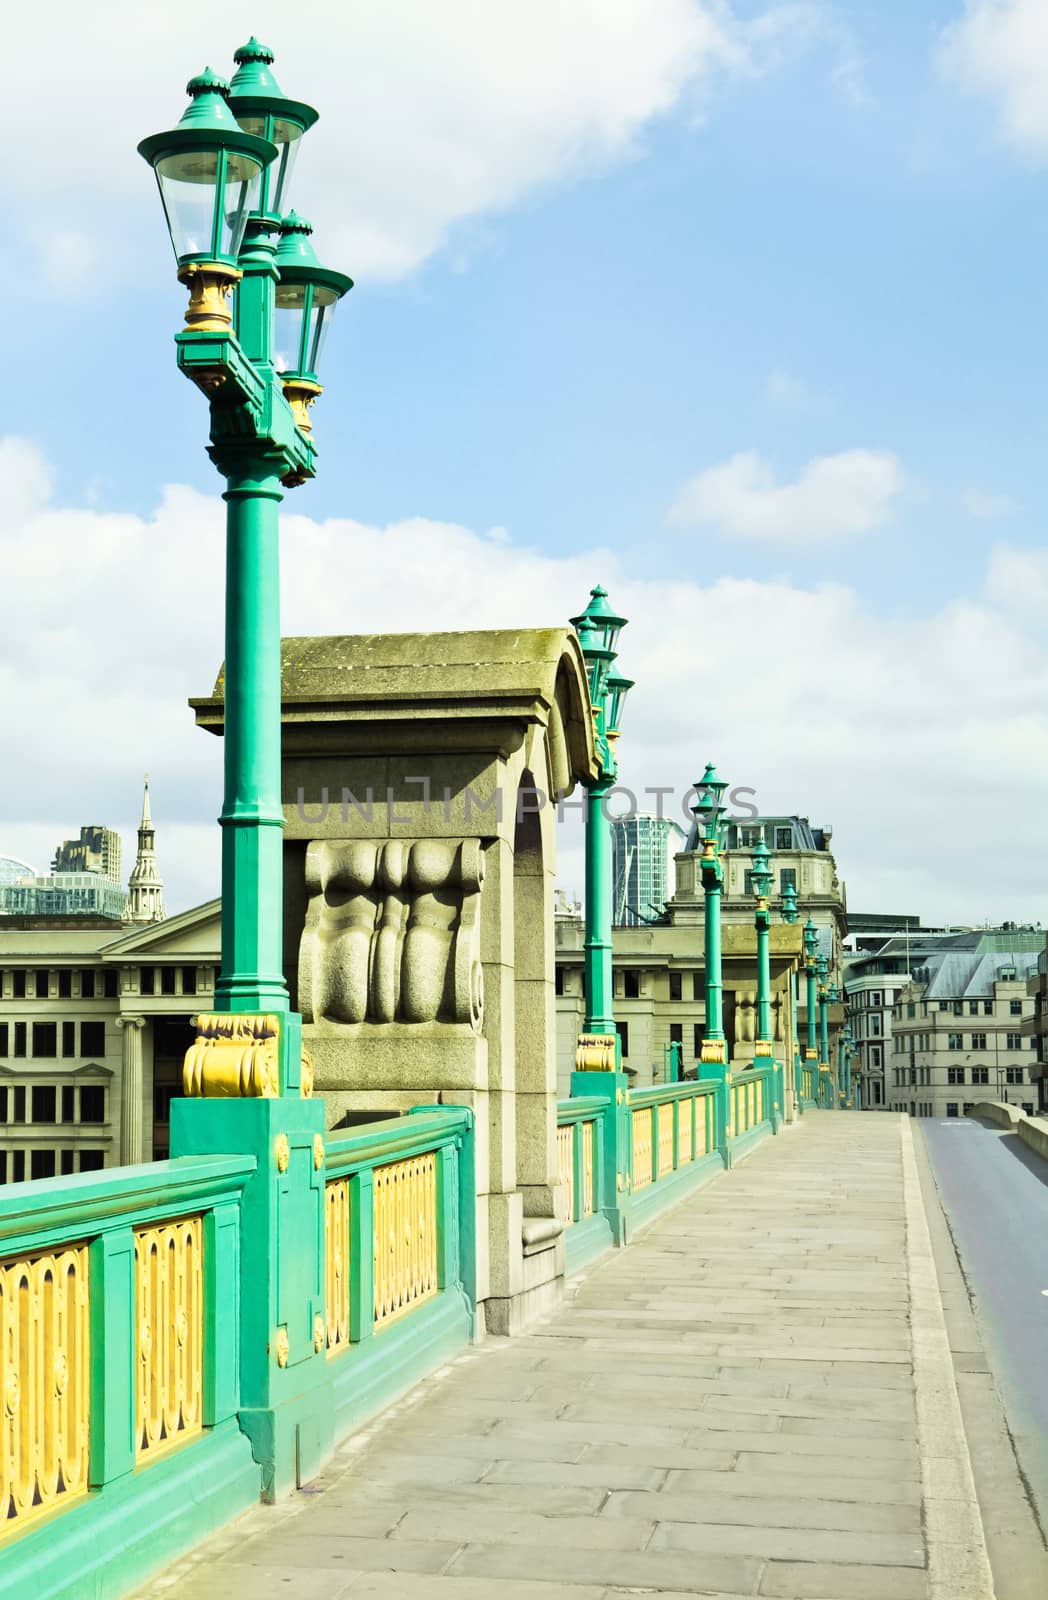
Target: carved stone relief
<point>392,932</point>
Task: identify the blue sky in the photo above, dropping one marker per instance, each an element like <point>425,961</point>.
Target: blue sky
<point>824,240</point>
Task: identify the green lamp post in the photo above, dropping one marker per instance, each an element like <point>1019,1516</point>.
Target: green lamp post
<point>223,175</point>
<point>790,914</point>
<point>811,1053</point>
<point>761,879</point>
<point>844,1049</point>
<point>598,628</point>
<point>709,813</point>
<point>821,968</point>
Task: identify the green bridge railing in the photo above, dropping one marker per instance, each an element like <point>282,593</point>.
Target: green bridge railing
<point>129,1319</point>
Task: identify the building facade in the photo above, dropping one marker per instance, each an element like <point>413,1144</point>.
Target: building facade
<point>642,852</point>
<point>96,850</point>
<point>962,1028</point>
<point>94,1027</point>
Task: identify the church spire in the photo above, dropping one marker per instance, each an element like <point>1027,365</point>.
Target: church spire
<point>145,901</point>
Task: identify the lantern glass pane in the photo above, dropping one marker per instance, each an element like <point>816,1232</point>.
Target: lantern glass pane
<point>241,196</point>
<point>187,189</point>
<point>287,136</point>
<point>289,325</point>
<point>324,303</point>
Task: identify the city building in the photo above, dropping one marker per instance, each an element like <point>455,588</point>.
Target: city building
<point>962,1027</point>
<point>14,871</point>
<point>96,850</point>
<point>145,901</point>
<point>1035,1027</point>
<point>62,895</point>
<point>642,851</point>
<point>659,971</point>
<point>94,1026</point>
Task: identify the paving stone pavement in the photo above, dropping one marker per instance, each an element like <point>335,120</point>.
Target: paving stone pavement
<point>727,1408</point>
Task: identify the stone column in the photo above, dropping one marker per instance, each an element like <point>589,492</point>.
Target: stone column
<point>131,1091</point>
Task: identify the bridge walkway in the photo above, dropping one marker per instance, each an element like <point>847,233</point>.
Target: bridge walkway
<point>756,1398</point>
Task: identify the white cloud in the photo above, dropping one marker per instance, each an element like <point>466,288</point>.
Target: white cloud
<point>787,393</point>
<point>999,49</point>
<point>884,727</point>
<point>430,113</point>
<point>835,496</point>
<point>987,507</point>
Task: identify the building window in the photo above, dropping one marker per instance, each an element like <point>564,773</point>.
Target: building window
<point>987,1008</point>
<point>978,1041</point>
<point>913,1074</point>
<point>69,1039</point>
<point>955,1041</point>
<point>87,986</point>
<point>951,1108</point>
<point>68,1103</point>
<point>677,1033</point>
<point>18,984</point>
<point>65,984</point>
<point>45,1040</point>
<point>1013,1041</point>
<point>876,998</point>
<point>167,980</point>
<point>787,878</point>
<point>973,1008</point>
<point>1015,1008</point>
<point>980,1074</point>
<point>697,1035</point>
<point>698,986</point>
<point>3,1039</point>
<point>558,980</point>
<point>875,1025</point>
<point>911,1008</point>
<point>93,1101</point>
<point>630,984</point>
<point>954,1074</point>
<point>44,1107</point>
<point>749,837</point>
<point>92,1160</point>
<point>147,981</point>
<point>624,1035</point>
<point>41,984</point>
<point>1013,1074</point>
<point>875,1055</point>
<point>968,1106</point>
<point>92,1038</point>
<point>784,838</point>
<point>19,1049</point>
<point>1027,1109</point>
<point>42,1164</point>
<point>676,986</point>
<point>66,1157</point>
<point>957,1008</point>
<point>108,989</point>
<point>189,980</point>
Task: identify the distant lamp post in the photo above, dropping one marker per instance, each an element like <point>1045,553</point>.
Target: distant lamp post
<point>822,967</point>
<point>598,628</point>
<point>811,1053</point>
<point>709,812</point>
<point>761,879</point>
<point>790,914</point>
<point>844,1049</point>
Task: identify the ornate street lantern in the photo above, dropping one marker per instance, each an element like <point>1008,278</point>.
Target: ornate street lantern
<point>618,688</point>
<point>761,874</point>
<point>708,806</point>
<point>811,941</point>
<point>261,108</point>
<point>789,904</point>
<point>598,629</point>
<point>306,297</point>
<point>208,171</point>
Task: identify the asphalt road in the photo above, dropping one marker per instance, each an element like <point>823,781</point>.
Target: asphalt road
<point>995,1194</point>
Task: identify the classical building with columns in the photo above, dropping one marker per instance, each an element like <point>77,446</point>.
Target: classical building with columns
<point>94,1025</point>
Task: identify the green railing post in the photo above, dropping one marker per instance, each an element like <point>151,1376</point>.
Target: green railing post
<point>111,1274</point>
<point>361,1256</point>
<point>709,814</point>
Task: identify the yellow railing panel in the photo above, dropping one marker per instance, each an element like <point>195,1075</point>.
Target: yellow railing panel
<point>45,1395</point>
<point>684,1139</point>
<point>587,1169</point>
<point>336,1264</point>
<point>169,1333</point>
<point>665,1138</point>
<point>566,1169</point>
<point>405,1236</point>
<point>641,1147</point>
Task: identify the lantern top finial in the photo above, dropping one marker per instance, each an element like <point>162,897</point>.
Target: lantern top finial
<point>253,51</point>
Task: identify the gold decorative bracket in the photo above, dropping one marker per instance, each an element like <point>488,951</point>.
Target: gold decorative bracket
<point>234,1057</point>
<point>300,394</point>
<point>714,1052</point>
<point>763,1049</point>
<point>595,1052</point>
<point>210,284</point>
